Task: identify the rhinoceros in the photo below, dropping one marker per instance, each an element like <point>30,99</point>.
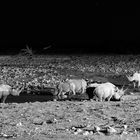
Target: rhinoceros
<point>107,91</point>
<point>72,86</point>
<point>78,85</point>
<point>135,79</point>
<point>6,90</point>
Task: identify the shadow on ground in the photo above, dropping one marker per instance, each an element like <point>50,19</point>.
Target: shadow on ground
<point>24,97</point>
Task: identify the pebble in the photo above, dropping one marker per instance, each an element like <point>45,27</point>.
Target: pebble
<point>86,133</point>
<point>111,130</point>
<point>97,128</point>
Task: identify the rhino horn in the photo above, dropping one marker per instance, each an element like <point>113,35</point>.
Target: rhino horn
<point>18,90</point>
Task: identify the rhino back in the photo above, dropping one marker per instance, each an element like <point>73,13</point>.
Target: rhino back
<point>5,88</point>
<point>64,87</point>
<point>103,91</point>
<point>79,83</point>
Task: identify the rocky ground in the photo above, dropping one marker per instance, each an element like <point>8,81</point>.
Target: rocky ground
<point>77,120</point>
<point>38,117</point>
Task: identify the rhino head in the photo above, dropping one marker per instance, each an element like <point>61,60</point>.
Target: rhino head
<point>130,78</point>
<point>119,93</point>
<point>18,90</point>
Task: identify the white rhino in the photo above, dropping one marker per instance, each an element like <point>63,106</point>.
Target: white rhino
<point>135,79</point>
<point>6,90</point>
<point>72,86</point>
<point>107,91</point>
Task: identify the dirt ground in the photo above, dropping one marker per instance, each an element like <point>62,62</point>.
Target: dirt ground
<point>38,118</point>
<point>77,120</point>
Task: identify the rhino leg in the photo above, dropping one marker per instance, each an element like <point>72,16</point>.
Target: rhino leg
<point>59,95</point>
<point>83,90</point>
<point>109,98</point>
<point>101,99</point>
<point>72,88</point>
<point>138,84</point>
<point>134,84</point>
<point>97,99</point>
<point>4,98</point>
<point>55,98</point>
<point>74,93</point>
<point>63,95</point>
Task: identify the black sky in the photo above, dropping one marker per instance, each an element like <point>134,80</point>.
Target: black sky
<point>98,27</point>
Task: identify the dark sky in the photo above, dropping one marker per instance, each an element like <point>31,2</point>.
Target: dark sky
<point>98,27</point>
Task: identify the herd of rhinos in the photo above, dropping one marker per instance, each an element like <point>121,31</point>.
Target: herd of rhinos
<point>101,92</point>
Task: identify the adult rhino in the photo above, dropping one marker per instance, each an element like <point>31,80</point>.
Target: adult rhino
<point>107,91</point>
<point>71,86</point>
<point>6,90</point>
<point>135,78</point>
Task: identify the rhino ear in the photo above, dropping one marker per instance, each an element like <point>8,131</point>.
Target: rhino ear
<point>87,80</point>
<point>125,90</point>
<point>122,89</point>
<point>128,77</point>
<point>123,86</point>
<point>116,89</point>
<point>64,80</point>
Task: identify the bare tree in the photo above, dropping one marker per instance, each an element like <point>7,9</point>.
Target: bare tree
<point>28,52</point>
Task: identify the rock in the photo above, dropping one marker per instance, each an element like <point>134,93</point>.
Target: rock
<point>111,130</point>
<point>129,97</point>
<point>79,130</point>
<point>86,133</point>
<point>97,128</point>
<point>38,121</point>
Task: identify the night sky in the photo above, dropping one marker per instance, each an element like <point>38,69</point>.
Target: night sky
<point>96,28</point>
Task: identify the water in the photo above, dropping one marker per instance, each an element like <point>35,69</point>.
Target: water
<point>24,97</point>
